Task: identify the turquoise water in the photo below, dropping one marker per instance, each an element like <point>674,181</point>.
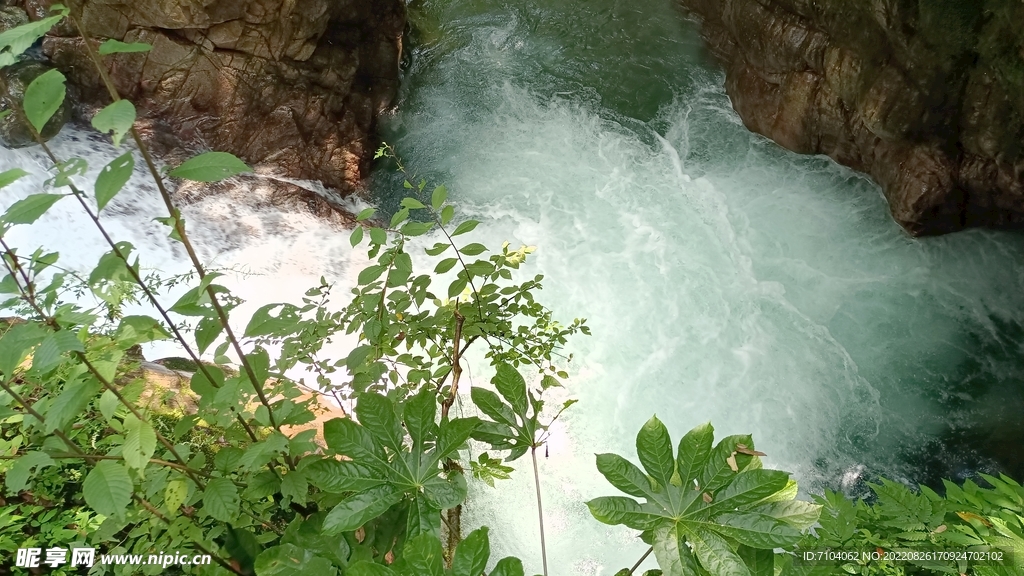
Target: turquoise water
<point>725,279</point>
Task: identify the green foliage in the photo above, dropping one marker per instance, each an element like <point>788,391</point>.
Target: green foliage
<point>708,508</point>
<point>207,167</point>
<point>118,118</point>
<point>43,97</point>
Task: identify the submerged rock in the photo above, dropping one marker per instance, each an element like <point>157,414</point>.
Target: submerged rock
<point>927,96</point>
<point>14,133</point>
<point>296,84</point>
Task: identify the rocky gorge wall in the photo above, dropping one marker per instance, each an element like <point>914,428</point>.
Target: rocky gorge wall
<point>926,96</point>
<point>296,84</point>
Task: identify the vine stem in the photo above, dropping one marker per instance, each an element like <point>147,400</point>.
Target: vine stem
<point>540,511</point>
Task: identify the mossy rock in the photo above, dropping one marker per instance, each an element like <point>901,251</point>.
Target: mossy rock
<point>11,17</point>
<point>178,363</point>
<point>14,133</point>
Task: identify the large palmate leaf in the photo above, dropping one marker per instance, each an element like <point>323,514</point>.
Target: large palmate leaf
<point>708,508</point>
<point>383,468</point>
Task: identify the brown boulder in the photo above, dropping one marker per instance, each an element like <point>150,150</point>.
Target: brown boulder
<point>927,97</point>
<point>293,84</point>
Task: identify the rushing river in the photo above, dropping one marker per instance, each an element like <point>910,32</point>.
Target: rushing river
<point>724,278</point>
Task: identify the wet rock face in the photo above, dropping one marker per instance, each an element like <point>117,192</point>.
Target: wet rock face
<point>927,96</point>
<point>14,132</point>
<point>295,84</point>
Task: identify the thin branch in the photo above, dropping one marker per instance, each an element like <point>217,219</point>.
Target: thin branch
<point>456,370</point>
<point>540,511</point>
<point>641,560</point>
<point>179,227</point>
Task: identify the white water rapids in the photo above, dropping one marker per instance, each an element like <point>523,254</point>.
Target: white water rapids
<point>724,279</point>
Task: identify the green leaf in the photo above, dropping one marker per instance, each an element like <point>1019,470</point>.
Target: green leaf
<point>17,40</point>
<point>489,403</point>
<point>438,197</point>
<point>356,237</point>
<point>797,513</point>
<point>365,214</point>
<point>360,508</point>
<point>108,404</point>
<point>473,249</point>
<point>716,556</point>
<point>295,486</point>
<point>508,567</point>
<point>342,476</point>
<point>512,387</point>
<point>417,228</point>
<point>444,494</point>
<point>367,568</point>
<point>755,530</point>
<point>748,487</point>
<point>265,323</point>
<point>49,353</point>
<point>139,444</point>
<point>377,415</point>
<point>262,485</point>
<point>625,476</point>
<point>717,471</point>
<point>108,488</point>
<point>423,518</point>
<point>117,117</point>
<point>347,438</point>
<point>370,274</point>
<point>175,494</point>
<point>145,330</point>
<point>211,167</point>
<point>378,236</point>
<point>621,510</point>
<point>673,555</point>
<point>17,476</point>
<point>77,394</point>
<point>220,500</point>
<point>15,345</point>
<point>445,265</point>
<point>418,415</point>
<point>472,554</point>
<point>43,97</point>
<point>464,227</point>
<point>759,562</point>
<point>8,177</point>
<point>412,203</point>
<point>654,448</point>
<point>454,434</point>
<point>290,560</point>
<point>422,556</point>
<point>112,46</point>
<point>29,209</point>
<point>207,331</point>
<point>456,287</point>
<point>694,451</point>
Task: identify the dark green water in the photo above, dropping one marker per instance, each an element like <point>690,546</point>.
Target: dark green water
<point>724,278</point>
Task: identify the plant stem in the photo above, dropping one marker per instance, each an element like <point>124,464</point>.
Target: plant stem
<point>641,560</point>
<point>540,511</point>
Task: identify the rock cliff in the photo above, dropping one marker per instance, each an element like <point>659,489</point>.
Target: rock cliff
<point>296,84</point>
<point>927,96</point>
